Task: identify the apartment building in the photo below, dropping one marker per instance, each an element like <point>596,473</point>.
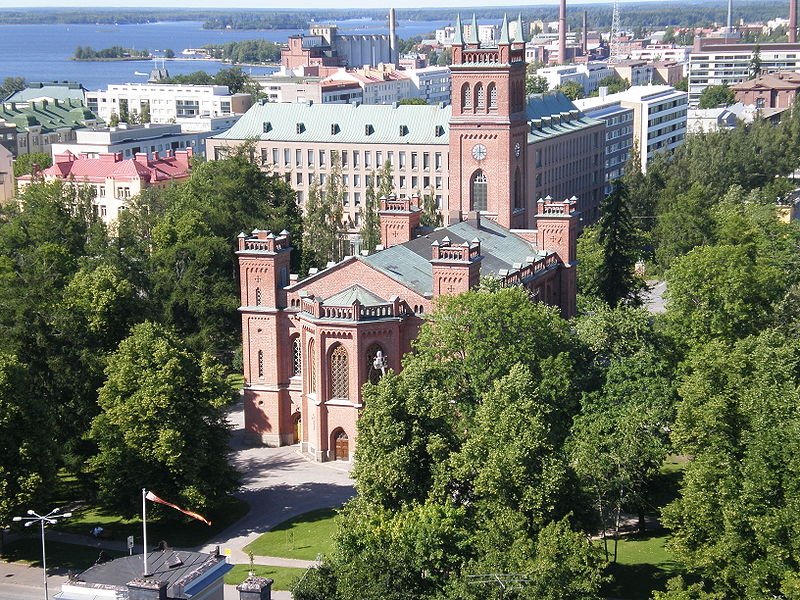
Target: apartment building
<point>115,180</point>
<point>588,75</point>
<point>432,84</point>
<point>659,116</point>
<point>717,61</point>
<point>39,125</point>
<point>167,102</point>
<point>130,140</point>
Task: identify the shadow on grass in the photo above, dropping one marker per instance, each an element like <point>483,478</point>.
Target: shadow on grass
<point>636,582</point>
<point>315,516</point>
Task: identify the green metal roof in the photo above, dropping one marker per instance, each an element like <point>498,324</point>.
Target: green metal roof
<point>51,116</point>
<point>409,263</point>
<point>55,90</point>
<point>347,296</point>
<point>343,123</point>
<point>549,109</point>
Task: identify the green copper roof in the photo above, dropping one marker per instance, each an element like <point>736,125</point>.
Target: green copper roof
<point>51,116</point>
<point>343,123</point>
<point>549,109</point>
<point>347,296</point>
<point>504,37</point>
<point>409,263</point>
<point>55,90</point>
<point>458,37</point>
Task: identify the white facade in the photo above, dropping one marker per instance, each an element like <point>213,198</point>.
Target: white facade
<point>431,83</point>
<point>657,52</point>
<point>381,85</point>
<point>722,63</point>
<point>587,75</point>
<point>709,120</point>
<point>445,35</point>
<point>168,103</point>
<point>659,116</point>
<point>134,139</point>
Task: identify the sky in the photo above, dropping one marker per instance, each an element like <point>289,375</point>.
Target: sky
<point>283,4</point>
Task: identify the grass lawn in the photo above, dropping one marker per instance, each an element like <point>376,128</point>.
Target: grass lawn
<point>302,537</point>
<point>179,533</point>
<point>59,555</point>
<point>643,565</point>
<point>282,577</point>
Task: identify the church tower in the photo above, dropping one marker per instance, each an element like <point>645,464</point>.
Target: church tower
<point>488,127</point>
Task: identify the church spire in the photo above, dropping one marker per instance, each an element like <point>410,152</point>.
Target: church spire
<point>504,36</point>
<point>458,36</point>
<point>520,37</point>
<point>473,31</point>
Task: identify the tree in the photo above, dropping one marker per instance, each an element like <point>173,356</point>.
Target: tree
<point>572,90</point>
<point>431,217</point>
<point>24,164</point>
<point>716,95</point>
<point>370,231</point>
<point>754,68</point>
<point>162,424</point>
<point>113,120</point>
<point>27,451</point>
<point>719,292</point>
<point>536,84</point>
<point>591,258</point>
<point>144,115</point>
<point>620,241</point>
<point>169,53</point>
<point>682,85</point>
<point>413,101</point>
<point>733,522</point>
<point>614,83</point>
<point>193,263</point>
<point>11,85</point>
<point>334,207</point>
<point>316,244</point>
<point>683,222</point>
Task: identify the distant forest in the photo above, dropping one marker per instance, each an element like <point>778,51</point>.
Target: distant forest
<point>636,14</point>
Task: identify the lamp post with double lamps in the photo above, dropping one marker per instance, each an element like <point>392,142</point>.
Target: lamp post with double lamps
<point>48,519</point>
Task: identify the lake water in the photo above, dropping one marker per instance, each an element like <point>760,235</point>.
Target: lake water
<point>43,52</point>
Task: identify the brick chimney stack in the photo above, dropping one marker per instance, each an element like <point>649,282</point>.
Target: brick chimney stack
<point>562,32</point>
<point>399,218</point>
<point>792,21</point>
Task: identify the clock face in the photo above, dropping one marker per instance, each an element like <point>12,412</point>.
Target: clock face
<point>517,149</point>
<point>479,152</point>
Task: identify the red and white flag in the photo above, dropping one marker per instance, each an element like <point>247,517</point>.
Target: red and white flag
<point>153,498</point>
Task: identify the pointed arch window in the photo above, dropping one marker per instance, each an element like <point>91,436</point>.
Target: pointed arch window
<point>258,296</point>
<point>466,96</point>
<point>518,201</point>
<point>312,368</point>
<point>261,364</point>
<point>297,357</point>
<point>339,373</point>
<point>480,96</point>
<point>492,96</point>
<point>479,191</point>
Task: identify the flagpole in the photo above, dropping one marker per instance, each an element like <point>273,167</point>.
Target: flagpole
<point>144,526</point>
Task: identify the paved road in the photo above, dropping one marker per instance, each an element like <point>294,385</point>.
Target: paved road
<point>21,582</point>
<point>654,296</point>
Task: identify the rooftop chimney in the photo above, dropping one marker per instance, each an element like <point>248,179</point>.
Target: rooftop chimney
<point>562,33</point>
<point>792,21</point>
<point>585,32</point>
<point>393,38</point>
<point>255,588</point>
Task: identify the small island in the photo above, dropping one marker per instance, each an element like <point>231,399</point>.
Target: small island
<point>88,53</point>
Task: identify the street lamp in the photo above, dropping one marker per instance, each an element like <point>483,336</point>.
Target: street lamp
<point>50,519</point>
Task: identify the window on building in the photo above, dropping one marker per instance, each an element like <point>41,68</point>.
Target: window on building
<point>310,158</point>
<point>437,161</point>
<point>402,160</point>
<point>312,367</point>
<point>367,158</point>
<point>492,95</point>
<point>344,159</point>
<point>356,159</point>
<point>261,364</point>
<point>296,368</point>
<point>275,156</point>
<point>426,160</point>
<point>480,97</point>
<point>466,96</point>
<point>339,373</point>
<point>258,296</point>
<point>323,156</point>
<point>479,191</point>
<point>517,189</point>
<point>414,160</point>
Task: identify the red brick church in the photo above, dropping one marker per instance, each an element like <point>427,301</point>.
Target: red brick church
<point>310,345</point>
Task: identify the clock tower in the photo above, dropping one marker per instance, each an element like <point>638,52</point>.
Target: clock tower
<point>489,128</point>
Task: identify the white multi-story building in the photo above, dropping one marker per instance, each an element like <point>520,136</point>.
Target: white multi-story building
<point>431,84</point>
<point>445,35</point>
<point>619,138</point>
<point>167,102</point>
<point>383,84</point>
<point>657,52</point>
<point>716,61</point>
<point>659,116</point>
<point>130,140</point>
<point>588,75</point>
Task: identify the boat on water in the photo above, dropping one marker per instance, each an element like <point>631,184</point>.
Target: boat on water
<point>140,74</point>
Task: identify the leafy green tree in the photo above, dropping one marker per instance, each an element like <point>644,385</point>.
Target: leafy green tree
<point>431,217</point>
<point>27,450</point>
<point>11,85</point>
<point>754,68</point>
<point>614,83</point>
<point>169,53</point>
<point>716,95</point>
<point>536,84</point>
<point>334,208</point>
<point>621,245</point>
<point>572,90</point>
<point>24,164</point>
<point>413,101</point>
<point>144,115</point>
<point>316,244</point>
<point>590,257</point>
<point>733,523</point>
<point>684,222</point>
<point>616,334</point>
<point>193,262</point>
<point>719,292</point>
<point>682,85</point>
<point>162,424</point>
<point>113,120</point>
